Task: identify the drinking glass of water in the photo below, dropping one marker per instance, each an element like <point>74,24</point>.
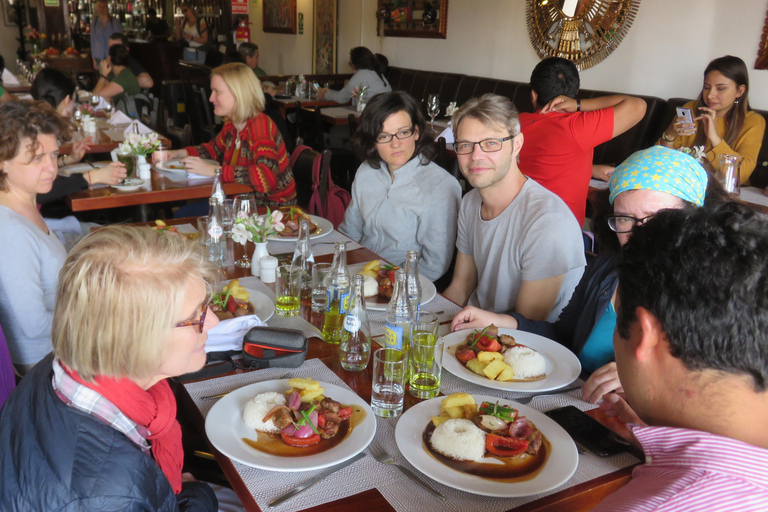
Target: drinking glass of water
<point>108,110</point>
<point>390,367</point>
<point>95,98</point>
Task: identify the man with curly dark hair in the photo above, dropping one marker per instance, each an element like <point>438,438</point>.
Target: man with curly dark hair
<point>691,347</point>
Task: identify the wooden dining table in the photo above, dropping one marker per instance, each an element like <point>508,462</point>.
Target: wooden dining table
<point>105,138</point>
<point>289,103</point>
<point>580,497</point>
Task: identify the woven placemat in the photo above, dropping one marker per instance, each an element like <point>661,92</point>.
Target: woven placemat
<point>366,473</point>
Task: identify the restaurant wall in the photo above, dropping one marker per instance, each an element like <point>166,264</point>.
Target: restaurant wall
<point>283,53</point>
<point>664,53</point>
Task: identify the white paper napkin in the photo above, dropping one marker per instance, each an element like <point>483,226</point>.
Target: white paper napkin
<point>229,334</point>
<point>193,176</point>
<point>9,78</point>
<point>119,118</point>
<point>448,135</point>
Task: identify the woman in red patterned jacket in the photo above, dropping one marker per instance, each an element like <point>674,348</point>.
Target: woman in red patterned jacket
<point>249,149</point>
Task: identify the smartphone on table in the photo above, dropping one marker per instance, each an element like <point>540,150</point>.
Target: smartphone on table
<point>588,431</point>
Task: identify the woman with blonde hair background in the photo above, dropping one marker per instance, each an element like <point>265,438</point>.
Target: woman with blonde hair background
<point>249,148</point>
<point>94,424</point>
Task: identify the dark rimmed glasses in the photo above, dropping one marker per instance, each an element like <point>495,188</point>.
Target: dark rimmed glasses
<point>626,223</point>
<point>384,138</point>
<point>487,145</point>
<point>200,322</point>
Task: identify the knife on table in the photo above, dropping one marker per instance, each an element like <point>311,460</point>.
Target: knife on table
<point>312,481</point>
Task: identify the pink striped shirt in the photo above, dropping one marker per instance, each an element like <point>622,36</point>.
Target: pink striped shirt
<point>690,470</point>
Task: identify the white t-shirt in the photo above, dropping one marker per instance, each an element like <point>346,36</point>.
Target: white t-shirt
<point>535,237</point>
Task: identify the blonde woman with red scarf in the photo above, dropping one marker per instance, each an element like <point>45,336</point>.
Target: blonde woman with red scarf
<point>93,425</point>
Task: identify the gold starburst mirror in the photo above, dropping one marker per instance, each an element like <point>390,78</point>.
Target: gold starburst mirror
<point>582,31</point>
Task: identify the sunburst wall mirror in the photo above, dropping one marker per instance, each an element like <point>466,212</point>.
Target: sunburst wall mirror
<point>582,31</point>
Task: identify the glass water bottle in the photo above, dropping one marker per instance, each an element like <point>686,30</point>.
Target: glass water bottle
<point>337,295</point>
<point>399,319</point>
<point>355,349</point>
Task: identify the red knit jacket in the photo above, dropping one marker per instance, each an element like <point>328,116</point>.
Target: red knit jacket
<point>261,163</point>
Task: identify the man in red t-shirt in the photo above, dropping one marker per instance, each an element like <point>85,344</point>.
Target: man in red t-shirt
<point>561,135</point>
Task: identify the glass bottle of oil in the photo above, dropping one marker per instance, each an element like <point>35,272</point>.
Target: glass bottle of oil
<point>337,295</point>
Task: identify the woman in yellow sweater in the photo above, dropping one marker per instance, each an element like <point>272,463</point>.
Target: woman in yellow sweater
<point>724,123</point>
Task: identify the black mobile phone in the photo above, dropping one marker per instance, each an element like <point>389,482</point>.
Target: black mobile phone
<point>587,431</point>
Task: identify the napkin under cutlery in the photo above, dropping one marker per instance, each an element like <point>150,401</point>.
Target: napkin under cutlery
<point>229,334</point>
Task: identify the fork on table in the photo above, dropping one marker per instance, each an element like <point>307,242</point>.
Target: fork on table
<point>525,400</point>
<point>383,457</point>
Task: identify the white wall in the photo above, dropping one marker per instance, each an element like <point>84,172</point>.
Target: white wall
<point>281,54</point>
<point>664,53</point>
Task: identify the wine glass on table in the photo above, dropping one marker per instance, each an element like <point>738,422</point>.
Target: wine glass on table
<point>109,110</point>
<point>433,108</point>
<point>244,205</point>
<point>95,100</point>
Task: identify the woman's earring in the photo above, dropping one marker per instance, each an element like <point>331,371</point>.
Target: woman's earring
<point>736,101</point>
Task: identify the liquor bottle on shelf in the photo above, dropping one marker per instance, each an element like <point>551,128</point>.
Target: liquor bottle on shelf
<point>355,348</point>
<point>399,319</point>
<point>337,295</point>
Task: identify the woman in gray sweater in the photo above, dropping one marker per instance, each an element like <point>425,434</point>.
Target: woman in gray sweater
<point>31,255</point>
<point>402,201</point>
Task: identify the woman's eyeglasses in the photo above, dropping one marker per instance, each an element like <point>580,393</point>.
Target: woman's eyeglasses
<point>384,138</point>
<point>625,223</point>
<point>200,322</point>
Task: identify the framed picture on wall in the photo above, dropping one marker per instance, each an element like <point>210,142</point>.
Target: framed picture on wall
<point>412,18</point>
<point>324,44</point>
<point>280,16</point>
<point>762,51</point>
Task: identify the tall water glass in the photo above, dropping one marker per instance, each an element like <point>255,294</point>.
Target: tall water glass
<point>390,366</point>
<point>319,297</point>
<point>728,173</point>
<point>228,217</point>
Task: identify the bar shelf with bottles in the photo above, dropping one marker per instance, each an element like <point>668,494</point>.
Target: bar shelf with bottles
<point>131,13</point>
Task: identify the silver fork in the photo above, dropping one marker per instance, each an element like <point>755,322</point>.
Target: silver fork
<point>525,400</point>
<point>383,457</point>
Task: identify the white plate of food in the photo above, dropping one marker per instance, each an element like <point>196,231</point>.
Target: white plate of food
<point>228,432</point>
<point>379,302</point>
<point>318,226</point>
<point>129,185</point>
<point>178,165</point>
<point>552,467</point>
<point>562,367</point>
<point>261,305</point>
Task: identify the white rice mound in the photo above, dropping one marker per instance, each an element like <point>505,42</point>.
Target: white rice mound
<point>526,362</point>
<point>258,407</point>
<point>459,439</point>
<point>370,287</point>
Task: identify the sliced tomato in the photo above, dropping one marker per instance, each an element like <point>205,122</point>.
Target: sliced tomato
<point>301,441</point>
<point>488,344</point>
<point>320,420</point>
<point>231,304</point>
<point>345,412</point>
<point>505,446</point>
<point>465,354</point>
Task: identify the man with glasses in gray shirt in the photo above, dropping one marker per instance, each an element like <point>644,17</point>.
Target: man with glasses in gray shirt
<point>519,246</point>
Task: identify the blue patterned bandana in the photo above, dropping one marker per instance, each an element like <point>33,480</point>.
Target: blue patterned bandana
<point>663,170</point>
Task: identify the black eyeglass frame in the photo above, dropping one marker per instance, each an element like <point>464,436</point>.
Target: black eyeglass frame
<point>480,143</point>
<point>635,222</point>
<point>393,135</point>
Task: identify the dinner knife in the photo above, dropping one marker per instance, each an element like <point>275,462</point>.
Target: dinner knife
<point>312,481</point>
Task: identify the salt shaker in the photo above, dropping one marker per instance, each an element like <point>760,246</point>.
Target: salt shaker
<point>268,269</point>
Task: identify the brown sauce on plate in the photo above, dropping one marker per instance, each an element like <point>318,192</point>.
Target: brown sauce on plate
<point>273,443</point>
<point>514,469</point>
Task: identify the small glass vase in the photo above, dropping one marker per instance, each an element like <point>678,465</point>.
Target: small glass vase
<point>258,253</point>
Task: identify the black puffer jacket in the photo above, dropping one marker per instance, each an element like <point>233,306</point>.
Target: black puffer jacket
<point>54,457</point>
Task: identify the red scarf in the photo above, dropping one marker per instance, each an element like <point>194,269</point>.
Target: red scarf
<point>154,409</point>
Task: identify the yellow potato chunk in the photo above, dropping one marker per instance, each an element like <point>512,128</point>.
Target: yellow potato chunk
<point>160,223</point>
<point>493,369</point>
<point>476,366</point>
<point>455,412</point>
<point>488,357</point>
<point>436,420</point>
<point>456,400</point>
<point>298,383</point>
<point>470,411</point>
<point>307,395</point>
<point>369,273</point>
<point>372,265</point>
<point>506,374</point>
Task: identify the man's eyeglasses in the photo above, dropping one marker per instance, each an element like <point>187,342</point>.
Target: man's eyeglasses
<point>625,223</point>
<point>487,145</point>
<point>384,138</point>
<point>200,322</point>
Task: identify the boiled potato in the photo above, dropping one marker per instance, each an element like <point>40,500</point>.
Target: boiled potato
<point>455,412</point>
<point>298,383</point>
<point>488,357</point>
<point>160,223</point>
<point>307,395</point>
<point>372,265</point>
<point>470,411</point>
<point>493,369</point>
<point>456,400</point>
<point>436,420</point>
<point>368,273</point>
<point>506,374</point>
<point>476,366</point>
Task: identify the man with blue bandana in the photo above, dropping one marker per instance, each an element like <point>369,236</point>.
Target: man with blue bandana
<point>648,181</point>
